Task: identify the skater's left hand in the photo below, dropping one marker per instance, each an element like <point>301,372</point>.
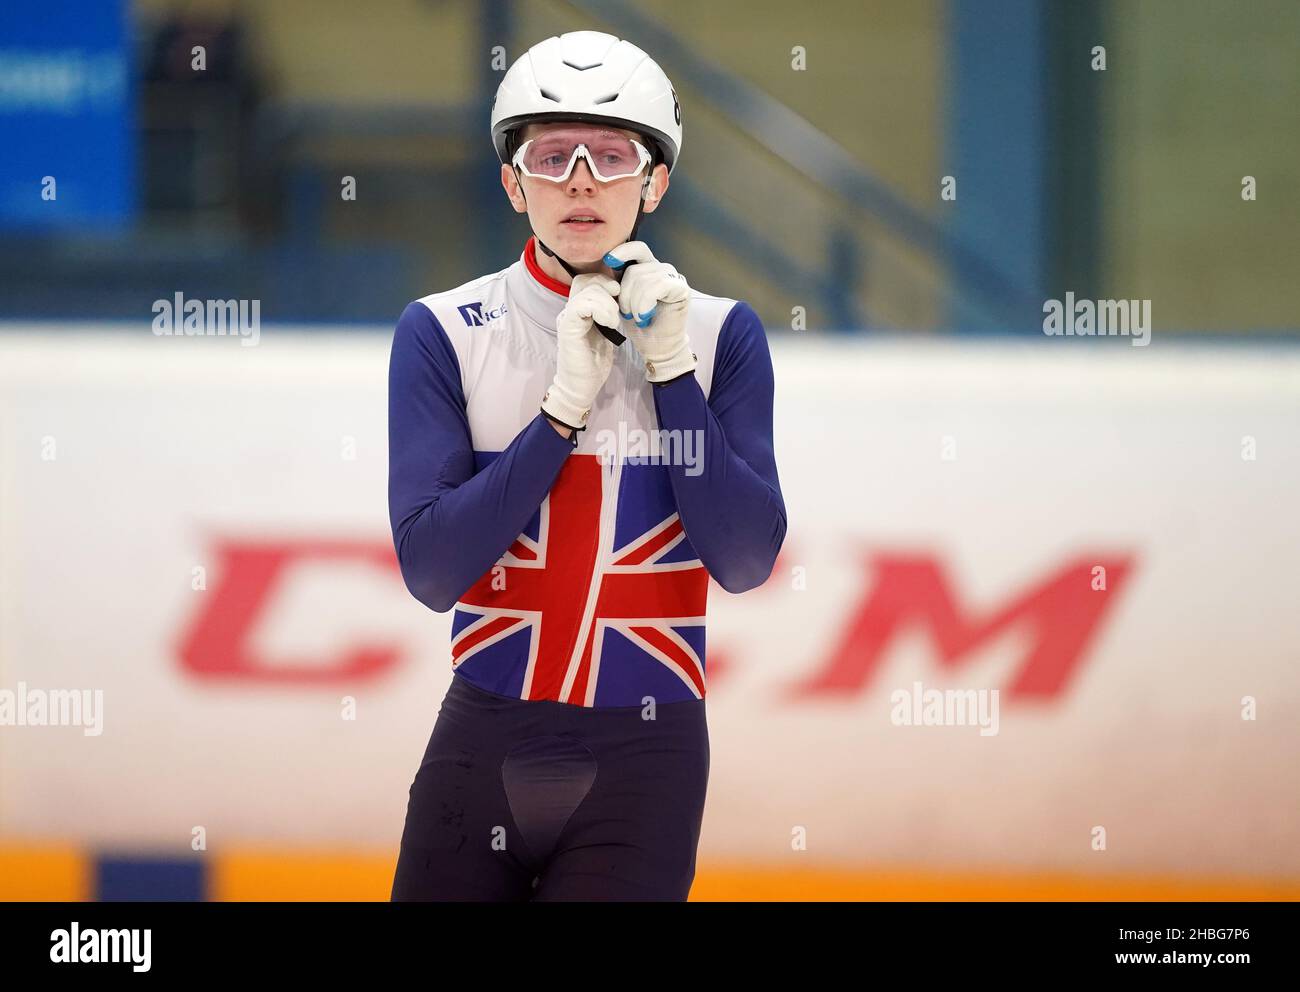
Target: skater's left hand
<point>654,296</point>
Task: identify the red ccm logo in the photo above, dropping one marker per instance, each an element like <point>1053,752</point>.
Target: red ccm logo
<point>1061,610</point>
<point>216,644</point>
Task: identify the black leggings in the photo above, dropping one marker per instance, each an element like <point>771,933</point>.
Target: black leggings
<point>518,800</point>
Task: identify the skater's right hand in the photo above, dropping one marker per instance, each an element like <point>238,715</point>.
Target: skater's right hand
<point>584,355</point>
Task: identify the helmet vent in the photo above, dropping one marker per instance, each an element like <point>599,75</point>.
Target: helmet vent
<point>606,99</point>
<point>550,96</point>
<point>583,68</point>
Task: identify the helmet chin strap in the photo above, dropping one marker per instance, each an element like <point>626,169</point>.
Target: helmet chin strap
<point>610,333</point>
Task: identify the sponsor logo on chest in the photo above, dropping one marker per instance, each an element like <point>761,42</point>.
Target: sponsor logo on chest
<point>475,316</point>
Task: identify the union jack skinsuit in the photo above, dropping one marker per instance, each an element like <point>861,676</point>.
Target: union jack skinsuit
<point>578,571</point>
<point>576,577</point>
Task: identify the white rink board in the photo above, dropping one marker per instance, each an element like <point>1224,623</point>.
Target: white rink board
<point>169,450</point>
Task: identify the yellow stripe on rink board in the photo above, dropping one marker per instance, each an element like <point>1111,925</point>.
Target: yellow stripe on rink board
<point>743,884</point>
<point>38,873</point>
<point>42,873</point>
<point>267,876</point>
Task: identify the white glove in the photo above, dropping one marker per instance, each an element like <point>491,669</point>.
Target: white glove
<point>654,296</point>
<point>584,355</point>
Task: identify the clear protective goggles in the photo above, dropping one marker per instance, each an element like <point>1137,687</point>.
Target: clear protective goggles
<point>609,155</point>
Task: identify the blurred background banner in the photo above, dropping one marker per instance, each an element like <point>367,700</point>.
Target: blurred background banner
<point>1085,546</point>
<point>66,107</point>
<point>205,547</point>
<point>940,165</point>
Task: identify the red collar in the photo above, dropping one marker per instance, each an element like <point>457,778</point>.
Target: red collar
<point>536,271</point>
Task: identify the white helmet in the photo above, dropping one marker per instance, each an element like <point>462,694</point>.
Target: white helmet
<point>593,77</point>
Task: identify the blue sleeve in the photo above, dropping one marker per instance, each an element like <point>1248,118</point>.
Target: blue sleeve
<point>732,509</point>
<point>450,525</point>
